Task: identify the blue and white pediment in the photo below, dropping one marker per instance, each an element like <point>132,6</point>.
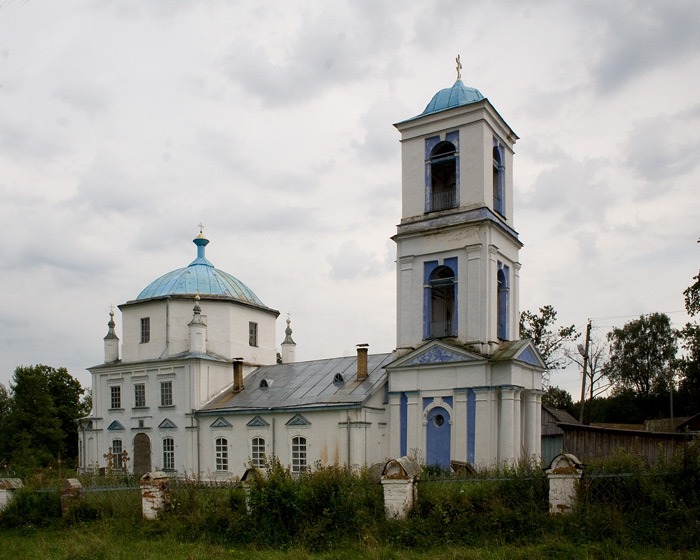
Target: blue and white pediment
<point>167,423</point>
<point>437,355</point>
<point>116,425</point>
<point>528,357</point>
<point>298,420</point>
<point>220,422</point>
<point>258,422</point>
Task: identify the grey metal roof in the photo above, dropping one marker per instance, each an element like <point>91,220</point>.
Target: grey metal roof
<point>304,385</point>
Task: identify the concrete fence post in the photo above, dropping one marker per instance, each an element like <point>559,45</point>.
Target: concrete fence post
<point>398,480</point>
<point>70,494</point>
<point>155,493</point>
<point>247,481</point>
<point>563,474</point>
<point>7,488</point>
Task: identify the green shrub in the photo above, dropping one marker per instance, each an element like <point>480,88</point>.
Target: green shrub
<point>29,508</point>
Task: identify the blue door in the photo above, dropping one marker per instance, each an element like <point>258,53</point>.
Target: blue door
<point>438,444</point>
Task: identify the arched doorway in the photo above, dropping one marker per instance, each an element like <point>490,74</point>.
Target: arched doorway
<point>438,438</point>
<point>142,453</point>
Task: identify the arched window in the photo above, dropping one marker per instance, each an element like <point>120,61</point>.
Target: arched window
<point>499,203</point>
<point>442,302</point>
<point>502,301</point>
<point>257,452</point>
<point>298,454</point>
<point>168,454</point>
<point>221,454</point>
<point>443,176</point>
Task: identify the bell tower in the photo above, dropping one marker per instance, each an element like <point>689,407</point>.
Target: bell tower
<point>457,251</point>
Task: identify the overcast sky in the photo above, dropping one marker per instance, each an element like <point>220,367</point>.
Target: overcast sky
<point>123,124</point>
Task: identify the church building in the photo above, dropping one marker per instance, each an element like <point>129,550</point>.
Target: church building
<point>196,387</point>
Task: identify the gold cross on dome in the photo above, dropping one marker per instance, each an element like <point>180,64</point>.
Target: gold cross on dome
<point>200,225</point>
<point>459,68</point>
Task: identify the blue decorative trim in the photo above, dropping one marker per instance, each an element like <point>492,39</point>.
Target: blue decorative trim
<point>437,355</point>
<point>403,421</point>
<point>259,422</point>
<point>220,422</point>
<point>453,136</point>
<point>528,357</point>
<point>167,424</point>
<point>471,425</point>
<point>116,425</point>
<point>427,401</point>
<point>298,420</point>
<point>447,401</point>
<point>428,269</point>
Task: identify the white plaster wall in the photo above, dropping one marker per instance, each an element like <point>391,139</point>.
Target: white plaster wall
<point>227,330</point>
<point>326,438</point>
<point>182,374</point>
<point>477,123</point>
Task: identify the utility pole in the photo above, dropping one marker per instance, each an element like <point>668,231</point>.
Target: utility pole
<point>584,352</point>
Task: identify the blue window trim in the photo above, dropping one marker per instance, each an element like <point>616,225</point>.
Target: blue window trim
<point>428,269</point>
<point>471,425</point>
<point>403,421</point>
<point>430,143</point>
<point>503,295</point>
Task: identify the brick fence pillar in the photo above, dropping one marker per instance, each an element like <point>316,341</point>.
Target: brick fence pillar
<point>70,494</point>
<point>155,493</point>
<point>563,474</point>
<point>7,488</point>
<point>399,483</point>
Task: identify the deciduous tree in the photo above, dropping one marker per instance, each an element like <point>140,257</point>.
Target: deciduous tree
<point>551,340</point>
<point>641,353</point>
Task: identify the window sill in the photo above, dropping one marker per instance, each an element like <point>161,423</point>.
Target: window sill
<point>162,406</point>
<point>140,408</point>
<point>115,409</point>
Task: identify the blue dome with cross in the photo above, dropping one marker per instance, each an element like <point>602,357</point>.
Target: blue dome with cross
<point>454,96</point>
<point>200,277</point>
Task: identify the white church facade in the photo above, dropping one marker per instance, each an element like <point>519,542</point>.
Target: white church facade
<point>195,386</point>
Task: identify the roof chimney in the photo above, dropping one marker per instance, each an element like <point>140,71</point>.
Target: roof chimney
<point>237,375</point>
<point>362,350</point>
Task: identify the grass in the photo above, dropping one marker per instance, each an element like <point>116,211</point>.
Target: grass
<point>113,540</point>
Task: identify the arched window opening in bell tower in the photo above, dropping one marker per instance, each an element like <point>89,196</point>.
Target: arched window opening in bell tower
<point>499,177</point>
<point>442,302</point>
<point>503,290</point>
<point>443,176</point>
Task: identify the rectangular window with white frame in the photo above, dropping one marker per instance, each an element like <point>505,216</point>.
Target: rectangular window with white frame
<point>168,454</point>
<point>257,453</point>
<point>298,454</point>
<point>221,454</point>
<point>252,334</point>
<point>117,451</point>
<point>115,393</point>
<point>145,329</point>
<point>139,395</point>
<point>166,393</point>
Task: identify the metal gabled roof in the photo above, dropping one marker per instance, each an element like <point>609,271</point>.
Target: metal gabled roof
<point>304,385</point>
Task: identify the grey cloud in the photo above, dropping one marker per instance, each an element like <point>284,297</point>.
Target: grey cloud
<point>89,100</point>
<point>663,147</point>
<point>106,189</point>
<point>352,261</point>
<point>328,50</point>
<point>26,142</point>
<point>572,191</point>
<point>636,37</point>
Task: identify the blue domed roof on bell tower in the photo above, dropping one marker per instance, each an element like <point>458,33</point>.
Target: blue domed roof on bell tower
<point>200,277</point>
<point>454,96</point>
